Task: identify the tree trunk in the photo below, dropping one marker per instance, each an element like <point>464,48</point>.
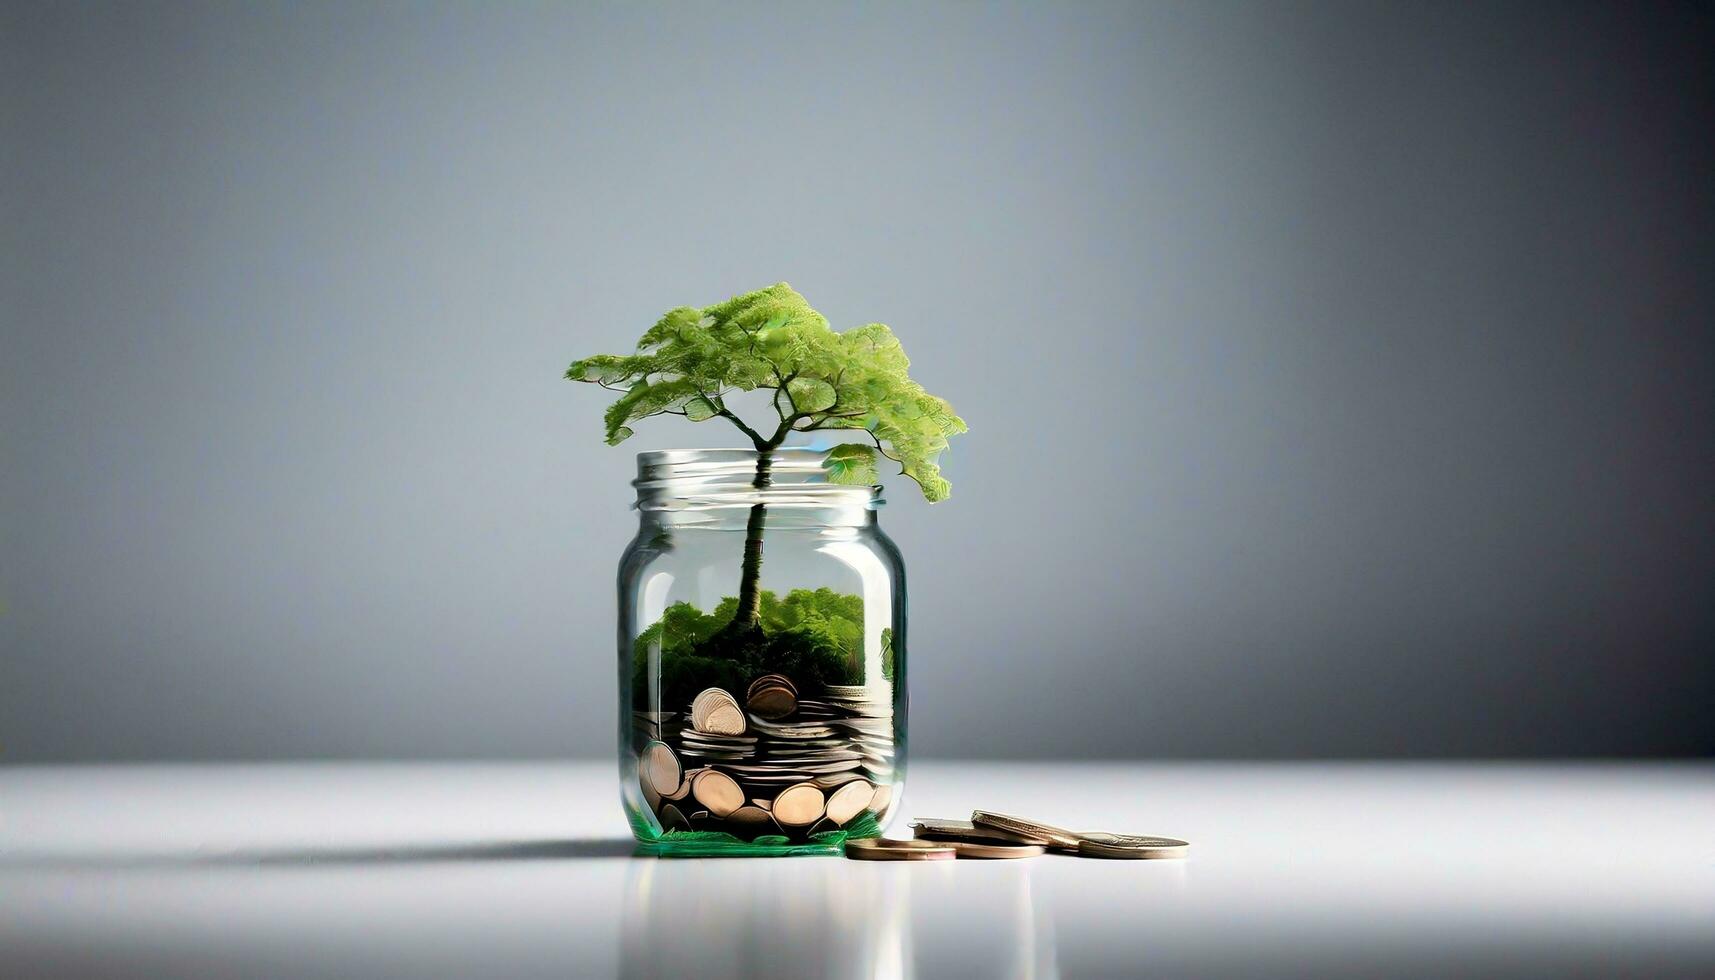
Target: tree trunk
<point>750,571</point>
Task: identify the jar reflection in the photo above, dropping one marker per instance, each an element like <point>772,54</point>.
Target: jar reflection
<point>834,918</point>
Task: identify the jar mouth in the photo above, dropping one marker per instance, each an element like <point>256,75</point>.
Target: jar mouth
<point>690,480</point>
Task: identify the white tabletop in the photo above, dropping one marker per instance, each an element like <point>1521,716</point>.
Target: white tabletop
<point>421,870</point>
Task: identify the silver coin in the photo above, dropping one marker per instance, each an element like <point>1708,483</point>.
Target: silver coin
<point>1027,827</point>
<point>1128,846</point>
<point>929,828</point>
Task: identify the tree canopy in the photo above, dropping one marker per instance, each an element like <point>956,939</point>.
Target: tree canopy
<point>691,359</point>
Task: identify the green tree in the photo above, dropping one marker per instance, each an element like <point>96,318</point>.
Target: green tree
<point>692,359</point>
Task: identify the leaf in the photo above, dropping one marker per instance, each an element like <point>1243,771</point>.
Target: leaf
<point>811,394</point>
<point>851,465</point>
<point>698,408</point>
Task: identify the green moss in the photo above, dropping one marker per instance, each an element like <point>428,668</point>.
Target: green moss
<point>814,636</point>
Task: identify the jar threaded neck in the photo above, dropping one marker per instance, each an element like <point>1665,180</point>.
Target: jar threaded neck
<point>692,481</point>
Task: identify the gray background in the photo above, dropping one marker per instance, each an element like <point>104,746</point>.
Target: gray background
<point>1339,375</point>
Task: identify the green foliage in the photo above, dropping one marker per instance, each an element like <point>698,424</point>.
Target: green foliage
<point>851,464</point>
<point>814,637</point>
<point>691,359</point>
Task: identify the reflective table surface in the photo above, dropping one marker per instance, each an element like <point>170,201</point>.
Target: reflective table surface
<point>419,870</point>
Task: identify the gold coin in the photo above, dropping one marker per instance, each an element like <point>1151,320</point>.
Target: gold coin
<point>1127,846</point>
<point>658,765</point>
<point>994,852</point>
<point>869,850</point>
<point>715,712</point>
<point>930,828</point>
<point>1028,828</point>
<point>717,791</point>
<point>849,800</point>
<point>799,806</point>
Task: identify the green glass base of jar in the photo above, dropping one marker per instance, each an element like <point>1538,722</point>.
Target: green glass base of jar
<point>699,843</point>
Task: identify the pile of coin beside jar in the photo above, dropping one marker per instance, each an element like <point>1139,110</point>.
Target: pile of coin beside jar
<point>998,836</point>
<point>778,764</point>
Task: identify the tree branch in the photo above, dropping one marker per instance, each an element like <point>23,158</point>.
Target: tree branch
<point>755,437</point>
<point>714,399</point>
<point>786,427</point>
<point>882,450</point>
<point>783,382</point>
<point>825,417</point>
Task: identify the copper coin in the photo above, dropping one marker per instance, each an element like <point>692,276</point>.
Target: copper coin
<point>871,850</point>
<point>994,852</point>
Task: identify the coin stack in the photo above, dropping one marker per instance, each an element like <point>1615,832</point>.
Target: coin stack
<point>780,764</point>
<point>868,720</point>
<point>989,835</point>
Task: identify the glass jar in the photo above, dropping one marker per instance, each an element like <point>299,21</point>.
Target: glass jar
<point>761,657</point>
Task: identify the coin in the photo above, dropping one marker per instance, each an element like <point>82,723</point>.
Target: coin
<point>882,799</point>
<point>971,849</point>
<point>1101,845</point>
<point>849,800</point>
<point>715,712</point>
<point>772,702</point>
<point>930,828</point>
<point>872,850</point>
<point>724,742</point>
<point>749,815</point>
<point>672,819</point>
<point>1029,828</point>
<point>799,805</point>
<point>660,767</point>
<point>717,791</point>
<point>770,680</point>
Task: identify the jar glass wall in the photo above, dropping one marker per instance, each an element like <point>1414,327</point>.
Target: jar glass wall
<point>761,657</point>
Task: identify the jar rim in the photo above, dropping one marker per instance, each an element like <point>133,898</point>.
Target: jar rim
<point>718,479</point>
<point>693,455</point>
